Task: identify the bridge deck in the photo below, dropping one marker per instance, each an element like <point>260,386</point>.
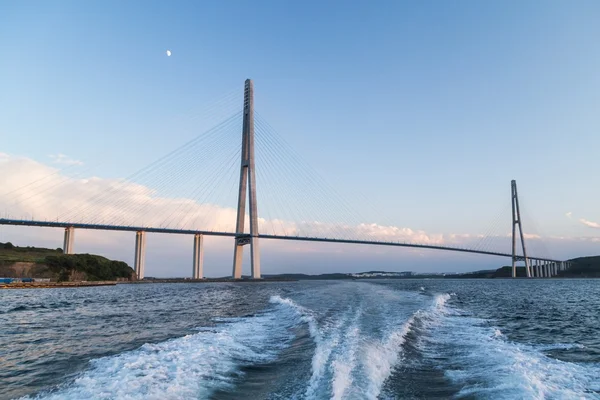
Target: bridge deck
<point>56,224</point>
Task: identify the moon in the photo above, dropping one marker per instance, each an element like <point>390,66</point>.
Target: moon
<point>168,53</point>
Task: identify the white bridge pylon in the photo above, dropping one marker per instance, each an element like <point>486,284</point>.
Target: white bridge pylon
<point>247,189</point>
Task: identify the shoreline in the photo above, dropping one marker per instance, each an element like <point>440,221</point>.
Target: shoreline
<point>206,280</point>
<point>49,285</point>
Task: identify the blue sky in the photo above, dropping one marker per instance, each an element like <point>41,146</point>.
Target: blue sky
<point>427,108</point>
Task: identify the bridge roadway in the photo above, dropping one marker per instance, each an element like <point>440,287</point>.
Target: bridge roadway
<point>51,224</point>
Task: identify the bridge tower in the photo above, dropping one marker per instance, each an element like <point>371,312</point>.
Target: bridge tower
<point>247,186</point>
<point>516,220</point>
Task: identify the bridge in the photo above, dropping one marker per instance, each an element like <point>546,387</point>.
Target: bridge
<point>536,266</point>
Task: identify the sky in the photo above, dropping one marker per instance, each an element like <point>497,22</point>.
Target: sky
<point>418,114</point>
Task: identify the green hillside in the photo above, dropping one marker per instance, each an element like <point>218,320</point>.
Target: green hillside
<point>35,262</point>
<point>10,253</point>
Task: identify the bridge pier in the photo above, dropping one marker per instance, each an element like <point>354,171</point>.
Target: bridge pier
<point>198,272</point>
<point>140,254</point>
<point>536,269</point>
<point>69,240</point>
<point>543,270</point>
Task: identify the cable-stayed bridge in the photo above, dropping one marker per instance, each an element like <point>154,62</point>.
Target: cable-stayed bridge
<point>190,191</point>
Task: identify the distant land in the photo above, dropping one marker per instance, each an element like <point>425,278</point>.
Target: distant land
<point>36,262</point>
<point>52,264</point>
<point>583,267</point>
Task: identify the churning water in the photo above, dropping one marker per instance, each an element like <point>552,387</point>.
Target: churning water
<point>403,339</point>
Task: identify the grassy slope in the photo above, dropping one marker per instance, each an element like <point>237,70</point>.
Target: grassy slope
<point>25,254</point>
<point>64,267</point>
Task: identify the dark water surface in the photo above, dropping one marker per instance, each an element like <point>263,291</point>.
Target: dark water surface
<point>396,339</point>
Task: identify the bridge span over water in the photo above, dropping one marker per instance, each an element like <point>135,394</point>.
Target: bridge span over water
<point>535,265</point>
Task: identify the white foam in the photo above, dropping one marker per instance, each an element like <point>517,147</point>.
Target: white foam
<point>345,361</point>
<point>326,339</point>
<point>485,364</point>
<point>305,314</point>
<point>351,363</point>
<point>188,367</point>
<point>379,359</point>
<point>440,300</point>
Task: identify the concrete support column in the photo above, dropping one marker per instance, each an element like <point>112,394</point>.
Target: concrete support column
<point>255,257</point>
<point>537,268</point>
<point>140,254</point>
<point>545,270</point>
<point>69,240</point>
<point>198,272</point>
<point>238,254</point>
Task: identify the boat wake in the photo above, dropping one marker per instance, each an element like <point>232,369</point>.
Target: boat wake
<point>483,363</point>
<point>361,341</point>
<point>193,366</point>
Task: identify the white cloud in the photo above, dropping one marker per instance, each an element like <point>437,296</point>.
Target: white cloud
<point>54,196</point>
<point>589,223</point>
<point>85,200</point>
<point>531,236</point>
<point>569,214</point>
<point>65,160</point>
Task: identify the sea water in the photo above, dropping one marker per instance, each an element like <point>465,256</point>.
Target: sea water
<point>375,339</point>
